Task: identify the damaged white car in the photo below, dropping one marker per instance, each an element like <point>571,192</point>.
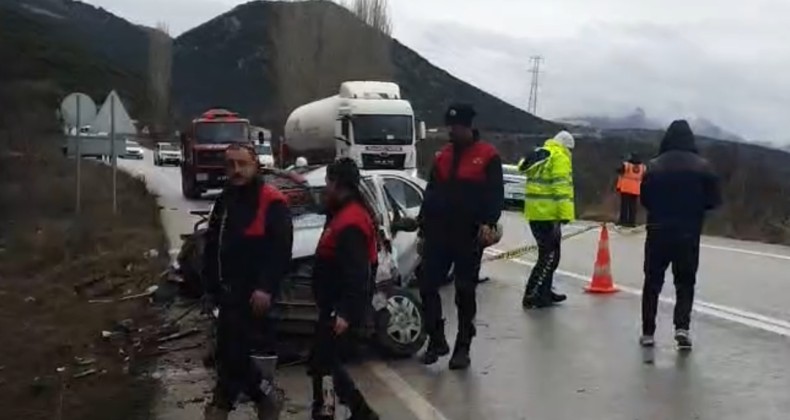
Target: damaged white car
<point>395,321</point>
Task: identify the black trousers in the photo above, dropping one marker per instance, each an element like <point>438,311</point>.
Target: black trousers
<point>240,335</point>
<point>681,250</point>
<point>465,257</point>
<point>548,235</point>
<point>628,209</point>
<point>325,361</point>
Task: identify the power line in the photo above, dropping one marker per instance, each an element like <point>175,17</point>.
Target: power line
<point>532,106</point>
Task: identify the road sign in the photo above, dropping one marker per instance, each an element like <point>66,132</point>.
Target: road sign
<point>78,109</point>
<point>104,120</point>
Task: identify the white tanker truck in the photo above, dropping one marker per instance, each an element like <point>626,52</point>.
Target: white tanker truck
<point>366,121</point>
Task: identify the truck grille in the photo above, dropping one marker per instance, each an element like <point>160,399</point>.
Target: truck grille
<point>381,161</point>
<point>211,158</point>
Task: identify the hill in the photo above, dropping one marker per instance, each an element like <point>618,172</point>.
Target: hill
<point>41,64</point>
<point>244,58</point>
<point>638,119</point>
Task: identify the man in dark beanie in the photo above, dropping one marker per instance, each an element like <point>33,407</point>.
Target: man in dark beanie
<point>345,263</point>
<point>463,202</point>
<point>677,190</point>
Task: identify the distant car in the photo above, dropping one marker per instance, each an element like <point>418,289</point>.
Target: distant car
<point>515,185</point>
<point>133,150</point>
<point>167,154</point>
<point>265,155</point>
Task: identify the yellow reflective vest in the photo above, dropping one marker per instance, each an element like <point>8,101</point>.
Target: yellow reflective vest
<point>549,195</point>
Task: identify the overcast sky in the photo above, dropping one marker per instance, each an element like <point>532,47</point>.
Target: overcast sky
<point>724,60</point>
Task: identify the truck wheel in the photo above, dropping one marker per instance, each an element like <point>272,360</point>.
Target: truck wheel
<point>189,189</point>
<point>400,326</point>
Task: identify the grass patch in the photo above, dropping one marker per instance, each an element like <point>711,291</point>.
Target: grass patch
<point>46,254</point>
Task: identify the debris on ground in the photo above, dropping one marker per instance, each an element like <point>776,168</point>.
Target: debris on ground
<point>180,335</point>
<point>85,373</point>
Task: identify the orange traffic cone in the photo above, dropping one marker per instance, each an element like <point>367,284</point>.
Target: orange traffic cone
<point>602,281</point>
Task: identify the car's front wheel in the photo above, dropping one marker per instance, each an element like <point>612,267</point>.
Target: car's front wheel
<point>400,324</point>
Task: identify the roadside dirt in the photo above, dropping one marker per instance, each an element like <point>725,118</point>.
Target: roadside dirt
<point>61,277</point>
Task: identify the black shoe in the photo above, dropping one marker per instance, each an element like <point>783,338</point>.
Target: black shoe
<point>437,345</point>
<point>460,359</point>
<point>537,302</point>
<point>558,297</point>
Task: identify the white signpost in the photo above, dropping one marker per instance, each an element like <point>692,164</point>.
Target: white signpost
<point>114,119</point>
<point>75,109</point>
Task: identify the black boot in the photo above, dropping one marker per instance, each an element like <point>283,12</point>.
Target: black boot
<point>463,343</point>
<point>437,345</point>
<point>558,297</point>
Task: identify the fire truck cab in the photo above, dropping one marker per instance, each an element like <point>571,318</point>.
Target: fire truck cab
<point>203,145</point>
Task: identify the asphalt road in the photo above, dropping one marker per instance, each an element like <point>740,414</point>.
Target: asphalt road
<point>578,361</point>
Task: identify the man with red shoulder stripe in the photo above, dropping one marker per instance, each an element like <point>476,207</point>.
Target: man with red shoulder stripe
<point>247,255</point>
<point>458,220</point>
<point>346,260</point>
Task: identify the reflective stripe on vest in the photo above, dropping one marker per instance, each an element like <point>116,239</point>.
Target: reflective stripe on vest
<point>266,196</point>
<point>630,181</point>
<point>549,192</point>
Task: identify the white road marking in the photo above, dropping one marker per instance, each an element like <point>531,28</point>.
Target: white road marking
<point>416,403</point>
<point>747,252</point>
<point>749,319</point>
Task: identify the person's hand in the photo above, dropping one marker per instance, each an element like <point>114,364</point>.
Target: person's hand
<point>488,235</point>
<point>341,326</point>
<point>260,302</point>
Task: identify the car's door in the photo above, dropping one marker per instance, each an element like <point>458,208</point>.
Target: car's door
<point>403,196</point>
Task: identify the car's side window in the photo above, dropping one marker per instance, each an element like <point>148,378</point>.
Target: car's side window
<point>405,194</point>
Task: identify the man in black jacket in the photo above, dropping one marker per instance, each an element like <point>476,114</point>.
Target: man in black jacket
<point>247,255</point>
<point>346,259</point>
<point>677,190</point>
<point>463,202</point>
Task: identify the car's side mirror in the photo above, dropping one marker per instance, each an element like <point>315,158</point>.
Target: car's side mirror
<point>423,132</point>
<point>404,224</point>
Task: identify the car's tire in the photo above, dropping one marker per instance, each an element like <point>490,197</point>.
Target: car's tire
<point>400,326</point>
<point>189,189</point>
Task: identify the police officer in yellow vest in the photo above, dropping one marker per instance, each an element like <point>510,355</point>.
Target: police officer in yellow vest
<point>548,205</point>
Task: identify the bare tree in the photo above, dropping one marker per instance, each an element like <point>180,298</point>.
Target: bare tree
<point>160,63</point>
<point>316,45</point>
<point>375,13</point>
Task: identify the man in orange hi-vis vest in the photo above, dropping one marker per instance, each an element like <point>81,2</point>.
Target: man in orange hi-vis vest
<point>628,185</point>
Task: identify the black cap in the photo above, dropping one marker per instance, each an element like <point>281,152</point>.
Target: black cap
<point>460,114</point>
<point>345,172</point>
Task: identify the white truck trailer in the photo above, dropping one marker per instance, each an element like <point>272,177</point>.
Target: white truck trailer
<point>367,121</point>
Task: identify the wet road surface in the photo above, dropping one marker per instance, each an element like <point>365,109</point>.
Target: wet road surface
<point>578,361</point>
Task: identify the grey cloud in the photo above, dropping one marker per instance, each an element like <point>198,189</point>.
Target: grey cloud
<point>611,69</point>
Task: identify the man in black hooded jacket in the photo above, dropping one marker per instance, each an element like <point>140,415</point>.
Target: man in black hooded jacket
<point>677,190</point>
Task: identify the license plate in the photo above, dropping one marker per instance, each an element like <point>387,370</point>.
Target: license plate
<point>202,177</point>
<point>517,196</point>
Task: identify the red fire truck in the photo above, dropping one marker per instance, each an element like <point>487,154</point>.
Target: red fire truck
<point>203,145</point>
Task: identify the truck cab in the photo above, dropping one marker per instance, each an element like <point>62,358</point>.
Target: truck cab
<point>203,146</point>
<point>366,121</point>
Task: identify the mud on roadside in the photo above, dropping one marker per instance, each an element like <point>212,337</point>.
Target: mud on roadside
<point>71,348</point>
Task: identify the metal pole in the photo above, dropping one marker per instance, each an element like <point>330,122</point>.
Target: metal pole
<point>114,157</point>
<point>78,156</point>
